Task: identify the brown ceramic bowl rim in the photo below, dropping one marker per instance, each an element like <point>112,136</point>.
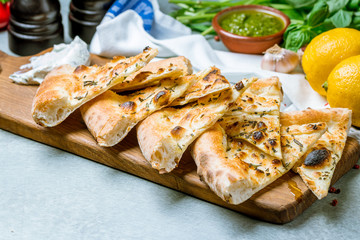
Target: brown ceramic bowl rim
<point>273,11</point>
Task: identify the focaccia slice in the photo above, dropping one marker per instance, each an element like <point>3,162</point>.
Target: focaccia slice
<point>262,97</point>
<point>255,117</point>
<point>153,72</point>
<point>210,81</point>
<point>65,89</point>
<point>165,135</point>
<point>263,132</point>
<point>235,169</point>
<point>110,117</point>
<point>317,166</point>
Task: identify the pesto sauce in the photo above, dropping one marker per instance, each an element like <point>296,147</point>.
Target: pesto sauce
<point>252,23</point>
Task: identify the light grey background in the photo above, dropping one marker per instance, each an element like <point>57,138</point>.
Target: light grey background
<point>46,193</point>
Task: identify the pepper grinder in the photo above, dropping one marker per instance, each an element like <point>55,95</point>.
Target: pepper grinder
<point>34,25</point>
<point>85,16</point>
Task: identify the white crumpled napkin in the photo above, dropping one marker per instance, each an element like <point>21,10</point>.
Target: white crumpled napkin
<point>125,35</point>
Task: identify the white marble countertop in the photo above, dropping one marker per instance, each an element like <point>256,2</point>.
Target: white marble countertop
<point>46,193</point>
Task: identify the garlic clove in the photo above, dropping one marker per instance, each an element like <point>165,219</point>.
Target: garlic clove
<point>268,63</point>
<point>279,59</point>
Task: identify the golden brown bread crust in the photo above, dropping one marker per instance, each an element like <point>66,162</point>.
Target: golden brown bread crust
<point>48,97</point>
<point>154,71</point>
<point>214,167</point>
<point>322,158</point>
<point>62,92</point>
<point>210,81</point>
<point>340,116</point>
<point>337,119</point>
<point>262,97</point>
<point>104,103</point>
<point>235,169</point>
<point>297,139</point>
<point>262,131</point>
<point>155,144</point>
<point>164,136</point>
<point>110,116</point>
<point>255,118</point>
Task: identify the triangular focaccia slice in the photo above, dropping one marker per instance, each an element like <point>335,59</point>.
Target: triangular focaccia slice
<point>110,117</point>
<point>255,116</point>
<point>65,89</point>
<point>263,131</point>
<point>209,82</point>
<point>235,169</point>
<point>317,166</point>
<point>165,135</point>
<point>153,72</point>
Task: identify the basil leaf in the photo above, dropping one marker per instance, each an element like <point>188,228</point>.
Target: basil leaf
<point>298,38</point>
<point>293,14</point>
<point>301,3</point>
<point>323,27</point>
<point>318,14</point>
<point>336,5</point>
<point>342,19</point>
<point>353,5</point>
<point>356,22</point>
<point>290,28</point>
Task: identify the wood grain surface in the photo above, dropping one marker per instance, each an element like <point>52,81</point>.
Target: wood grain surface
<point>279,202</point>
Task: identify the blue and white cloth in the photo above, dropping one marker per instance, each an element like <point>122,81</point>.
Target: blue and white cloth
<point>143,8</point>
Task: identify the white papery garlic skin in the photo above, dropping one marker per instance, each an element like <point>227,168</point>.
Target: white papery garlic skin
<point>279,59</point>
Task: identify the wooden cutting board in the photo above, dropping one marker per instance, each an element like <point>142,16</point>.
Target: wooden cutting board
<point>279,202</point>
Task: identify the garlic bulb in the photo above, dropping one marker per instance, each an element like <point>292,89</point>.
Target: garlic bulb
<point>279,60</point>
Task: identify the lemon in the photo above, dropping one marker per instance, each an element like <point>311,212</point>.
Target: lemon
<point>344,87</point>
<point>325,51</point>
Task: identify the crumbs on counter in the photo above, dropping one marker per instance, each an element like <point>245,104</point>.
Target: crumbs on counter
<point>334,202</point>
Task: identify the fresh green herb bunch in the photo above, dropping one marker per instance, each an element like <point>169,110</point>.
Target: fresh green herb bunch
<point>198,14</point>
<point>308,18</point>
<point>323,16</point>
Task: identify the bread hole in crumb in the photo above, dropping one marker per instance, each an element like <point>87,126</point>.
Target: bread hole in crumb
<point>59,112</point>
<point>158,154</point>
